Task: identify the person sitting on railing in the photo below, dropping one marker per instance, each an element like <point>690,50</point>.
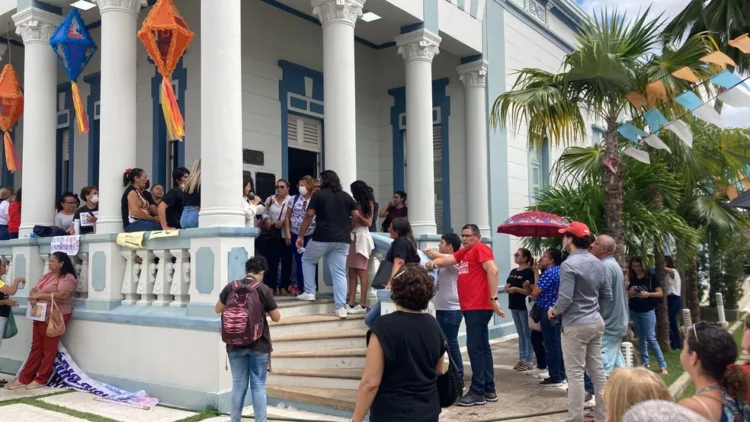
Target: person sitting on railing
<point>171,206</point>
<point>133,206</point>
<point>84,220</point>
<point>157,195</point>
<point>66,210</point>
<point>14,215</point>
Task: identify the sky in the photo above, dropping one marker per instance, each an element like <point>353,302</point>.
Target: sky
<point>733,117</point>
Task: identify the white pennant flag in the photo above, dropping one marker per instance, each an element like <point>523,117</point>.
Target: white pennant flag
<point>735,97</point>
<point>637,154</point>
<point>682,131</point>
<point>707,113</point>
<point>655,142</point>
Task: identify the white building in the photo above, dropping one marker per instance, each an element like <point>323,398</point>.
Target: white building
<point>393,92</point>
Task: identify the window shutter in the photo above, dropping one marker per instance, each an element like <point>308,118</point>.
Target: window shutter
<point>304,133</point>
<point>66,145</point>
<point>437,154</point>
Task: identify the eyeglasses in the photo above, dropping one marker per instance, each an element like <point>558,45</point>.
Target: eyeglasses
<point>69,203</point>
<point>280,187</point>
<point>466,236</point>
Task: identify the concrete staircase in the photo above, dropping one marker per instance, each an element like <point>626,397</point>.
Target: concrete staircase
<point>317,358</point>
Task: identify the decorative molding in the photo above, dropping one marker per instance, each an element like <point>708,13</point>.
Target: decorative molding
<point>473,74</point>
<point>130,6</point>
<point>99,271</point>
<point>418,45</point>
<point>338,11</point>
<point>36,26</point>
<point>236,259</point>
<point>204,270</point>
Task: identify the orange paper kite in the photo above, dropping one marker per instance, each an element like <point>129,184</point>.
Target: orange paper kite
<point>685,74</point>
<point>11,108</point>
<point>655,92</point>
<point>166,37</point>
<point>719,58</point>
<point>741,43</point>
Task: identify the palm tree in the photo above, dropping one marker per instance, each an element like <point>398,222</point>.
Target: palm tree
<point>614,57</point>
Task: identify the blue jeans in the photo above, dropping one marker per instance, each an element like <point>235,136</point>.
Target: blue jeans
<point>142,226</point>
<point>480,353</point>
<point>644,324</point>
<point>674,304</point>
<point>248,366</point>
<point>553,345</point>
<point>335,253</point>
<point>298,259</point>
<point>450,323</point>
<point>525,350</point>
<point>373,314</point>
<point>4,233</point>
<point>612,353</point>
<point>189,219</point>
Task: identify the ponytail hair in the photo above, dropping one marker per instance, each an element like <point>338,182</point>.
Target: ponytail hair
<point>717,352</point>
<point>129,176</point>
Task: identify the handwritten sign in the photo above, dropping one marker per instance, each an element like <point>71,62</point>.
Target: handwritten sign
<point>164,233</point>
<point>130,240</point>
<point>65,244</point>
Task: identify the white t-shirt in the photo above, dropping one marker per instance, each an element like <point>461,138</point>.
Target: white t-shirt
<point>64,221</point>
<point>446,290</point>
<point>4,212</point>
<point>673,284</point>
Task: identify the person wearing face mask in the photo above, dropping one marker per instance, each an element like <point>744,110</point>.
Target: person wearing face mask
<point>84,220</point>
<point>170,208</point>
<point>294,217</point>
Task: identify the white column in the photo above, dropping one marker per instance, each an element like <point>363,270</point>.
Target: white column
<point>36,27</point>
<point>338,18</point>
<point>474,77</point>
<point>418,49</point>
<point>221,113</point>
<point>118,106</point>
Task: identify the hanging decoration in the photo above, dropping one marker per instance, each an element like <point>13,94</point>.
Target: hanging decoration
<point>681,130</point>
<point>718,58</point>
<point>656,92</point>
<point>166,37</point>
<point>74,48</point>
<point>638,100</point>
<point>11,108</point>
<point>741,43</point>
<point>686,74</point>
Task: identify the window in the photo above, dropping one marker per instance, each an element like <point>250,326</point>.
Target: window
<point>66,183</point>
<point>437,156</point>
<point>304,133</point>
<point>536,181</point>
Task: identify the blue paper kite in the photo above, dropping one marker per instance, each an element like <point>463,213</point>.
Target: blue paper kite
<point>74,47</point>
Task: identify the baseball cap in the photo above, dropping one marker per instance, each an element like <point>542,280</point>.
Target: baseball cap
<point>577,229</point>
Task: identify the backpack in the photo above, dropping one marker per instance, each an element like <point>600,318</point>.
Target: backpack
<point>244,317</point>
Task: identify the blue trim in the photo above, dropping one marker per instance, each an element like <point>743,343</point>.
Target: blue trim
<point>474,8</point>
<point>469,59</point>
<point>8,177</point>
<point>68,108</point>
<point>293,80</point>
<point>204,270</point>
<point>399,107</point>
<point>236,259</point>
<point>160,145</point>
<point>93,25</point>
<point>12,42</point>
<point>57,10</point>
<point>413,27</point>
<point>460,4</point>
<point>430,13</point>
<point>545,163</point>
<point>534,23</point>
<point>95,81</point>
<point>99,271</point>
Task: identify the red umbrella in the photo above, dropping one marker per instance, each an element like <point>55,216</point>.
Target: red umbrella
<point>533,224</point>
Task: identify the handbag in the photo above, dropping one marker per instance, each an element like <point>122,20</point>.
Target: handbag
<point>273,231</point>
<point>11,329</point>
<point>55,323</point>
<point>383,275</point>
<point>450,385</point>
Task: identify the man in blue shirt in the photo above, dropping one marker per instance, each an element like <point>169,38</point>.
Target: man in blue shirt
<point>545,293</point>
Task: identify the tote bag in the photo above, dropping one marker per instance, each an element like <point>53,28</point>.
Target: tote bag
<point>450,385</point>
<point>55,323</point>
<point>10,327</point>
<point>383,275</point>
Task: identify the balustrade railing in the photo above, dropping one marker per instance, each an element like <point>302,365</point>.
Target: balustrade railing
<point>159,277</point>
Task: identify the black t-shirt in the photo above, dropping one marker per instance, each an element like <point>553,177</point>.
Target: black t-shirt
<point>192,199</point>
<point>333,211</point>
<point>124,206</point>
<point>263,344</point>
<point>412,346</point>
<point>4,309</point>
<point>402,248</point>
<point>174,201</point>
<point>148,197</point>
<point>394,213</point>
<point>517,301</point>
<point>82,215</point>
<point>639,304</point>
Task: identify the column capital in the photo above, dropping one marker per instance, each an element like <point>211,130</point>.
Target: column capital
<point>473,73</point>
<point>36,26</point>
<point>419,45</point>
<point>129,6</point>
<point>338,11</point>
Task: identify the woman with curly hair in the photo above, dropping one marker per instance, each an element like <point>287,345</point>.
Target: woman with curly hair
<point>405,354</point>
<point>361,247</point>
<point>708,356</point>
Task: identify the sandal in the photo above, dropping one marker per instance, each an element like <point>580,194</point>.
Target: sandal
<point>34,385</point>
<point>15,385</point>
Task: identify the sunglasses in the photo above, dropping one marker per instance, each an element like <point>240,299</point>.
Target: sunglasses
<point>280,187</point>
<point>696,328</point>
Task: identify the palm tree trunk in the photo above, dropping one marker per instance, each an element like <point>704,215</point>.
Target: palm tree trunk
<point>693,300</point>
<point>612,185</point>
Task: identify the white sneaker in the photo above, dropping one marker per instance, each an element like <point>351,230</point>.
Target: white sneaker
<point>307,297</point>
<point>358,309</point>
<point>542,375</point>
<point>590,402</point>
<point>341,313</point>
<point>536,372</point>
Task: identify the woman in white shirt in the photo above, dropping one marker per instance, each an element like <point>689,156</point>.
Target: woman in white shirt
<point>294,216</point>
<point>251,204</point>
<point>5,194</point>
<point>673,289</point>
<point>67,210</point>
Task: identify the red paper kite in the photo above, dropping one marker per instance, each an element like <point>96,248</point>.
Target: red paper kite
<point>11,108</point>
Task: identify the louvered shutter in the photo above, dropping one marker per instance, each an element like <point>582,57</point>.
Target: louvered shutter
<point>437,154</point>
<point>304,133</point>
<point>536,181</point>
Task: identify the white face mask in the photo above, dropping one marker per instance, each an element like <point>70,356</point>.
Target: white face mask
<point>94,199</point>
<point>302,190</point>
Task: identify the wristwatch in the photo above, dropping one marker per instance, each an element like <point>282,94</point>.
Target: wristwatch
<point>493,299</point>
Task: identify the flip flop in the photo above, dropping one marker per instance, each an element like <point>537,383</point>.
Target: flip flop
<point>15,386</point>
<point>34,385</point>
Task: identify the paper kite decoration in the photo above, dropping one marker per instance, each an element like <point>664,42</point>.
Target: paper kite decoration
<point>166,37</point>
<point>74,47</point>
<point>11,108</point>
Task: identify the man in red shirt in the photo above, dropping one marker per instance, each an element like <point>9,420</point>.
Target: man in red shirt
<point>477,295</point>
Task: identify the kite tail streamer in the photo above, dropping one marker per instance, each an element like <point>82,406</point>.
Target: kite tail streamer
<point>11,158</point>
<point>172,115</point>
<point>81,118</point>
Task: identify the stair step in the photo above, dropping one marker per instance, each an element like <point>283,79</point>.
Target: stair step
<point>319,359</point>
<point>315,323</point>
<point>321,340</point>
<point>295,308</point>
<point>330,397</point>
<point>337,378</point>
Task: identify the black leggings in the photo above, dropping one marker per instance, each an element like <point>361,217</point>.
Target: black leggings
<point>537,342</point>
<point>276,250</point>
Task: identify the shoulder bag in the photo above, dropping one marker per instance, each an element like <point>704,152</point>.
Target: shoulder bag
<point>55,323</point>
<point>10,327</point>
<point>450,385</point>
<point>383,275</point>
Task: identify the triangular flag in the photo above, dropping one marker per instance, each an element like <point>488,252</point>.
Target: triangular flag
<point>735,97</point>
<point>631,132</point>
<point>741,43</point>
<point>637,154</point>
<point>719,58</point>
<point>655,142</point>
<point>682,131</point>
<point>686,74</point>
<point>707,113</point>
<point>638,100</point>
<point>726,79</point>
<point>689,100</point>
<point>655,92</point>
<point>655,119</point>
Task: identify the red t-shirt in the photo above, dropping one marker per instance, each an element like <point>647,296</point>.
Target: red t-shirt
<point>14,217</point>
<point>746,368</point>
<point>473,294</point>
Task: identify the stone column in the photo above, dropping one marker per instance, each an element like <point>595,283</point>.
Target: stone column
<point>418,49</point>
<point>338,18</point>
<point>221,113</point>
<point>474,77</point>
<point>118,105</point>
<point>36,27</point>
